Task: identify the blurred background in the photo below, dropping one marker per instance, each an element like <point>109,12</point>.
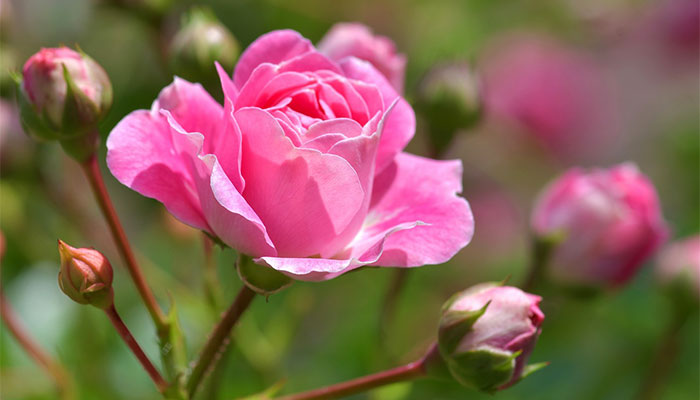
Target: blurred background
<point>565,83</point>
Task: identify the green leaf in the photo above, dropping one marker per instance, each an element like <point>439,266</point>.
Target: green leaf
<point>262,280</point>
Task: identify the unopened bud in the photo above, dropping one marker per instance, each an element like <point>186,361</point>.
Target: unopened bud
<point>85,276</point>
<point>449,99</point>
<point>487,333</point>
<point>63,95</point>
<point>201,41</point>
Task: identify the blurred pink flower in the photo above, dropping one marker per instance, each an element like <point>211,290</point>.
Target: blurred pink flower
<point>302,168</point>
<point>357,40</point>
<point>610,220</point>
<point>552,92</point>
<point>511,323</point>
<point>681,261</point>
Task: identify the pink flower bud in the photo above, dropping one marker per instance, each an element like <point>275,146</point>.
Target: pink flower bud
<point>679,267</point>
<point>85,276</point>
<point>610,222</point>
<point>357,40</point>
<point>64,94</point>
<point>487,333</point>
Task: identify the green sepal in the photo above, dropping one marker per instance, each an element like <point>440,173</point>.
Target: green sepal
<point>268,393</point>
<point>260,279</point>
<point>454,325</point>
<point>34,124</point>
<point>483,369</point>
<point>80,113</point>
<point>173,354</point>
<point>532,368</point>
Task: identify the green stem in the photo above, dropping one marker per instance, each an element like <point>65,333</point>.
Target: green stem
<point>60,377</point>
<point>406,372</point>
<point>92,172</point>
<point>212,289</point>
<point>539,257</point>
<point>123,331</point>
<point>218,339</point>
<point>665,356</point>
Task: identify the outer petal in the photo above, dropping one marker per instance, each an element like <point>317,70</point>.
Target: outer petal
<point>305,198</point>
<point>140,155</point>
<point>401,125</point>
<point>417,189</point>
<point>274,47</point>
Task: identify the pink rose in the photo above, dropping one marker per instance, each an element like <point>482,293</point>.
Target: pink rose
<point>553,93</point>
<point>357,40</point>
<point>611,221</point>
<point>484,355</point>
<point>679,263</point>
<point>302,167</point>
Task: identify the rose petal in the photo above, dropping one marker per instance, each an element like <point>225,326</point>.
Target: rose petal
<point>273,47</point>
<point>417,189</point>
<point>304,197</point>
<point>401,125</point>
<point>140,155</point>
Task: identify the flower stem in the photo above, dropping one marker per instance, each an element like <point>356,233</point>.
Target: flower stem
<point>123,331</point>
<point>218,339</point>
<point>393,293</point>
<point>406,372</point>
<point>665,356</point>
<point>539,257</point>
<point>212,290</point>
<point>92,171</point>
<point>60,377</point>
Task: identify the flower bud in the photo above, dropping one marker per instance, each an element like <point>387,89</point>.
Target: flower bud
<point>449,99</point>
<point>487,333</point>
<point>609,222</point>
<point>201,41</point>
<point>63,95</point>
<point>357,40</point>
<point>678,269</point>
<point>85,276</point>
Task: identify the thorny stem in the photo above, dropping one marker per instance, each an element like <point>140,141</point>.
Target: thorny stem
<point>218,339</point>
<point>92,172</point>
<point>406,372</point>
<point>52,368</point>
<point>123,331</point>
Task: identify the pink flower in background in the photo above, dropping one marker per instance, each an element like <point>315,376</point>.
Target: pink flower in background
<point>301,168</point>
<point>552,92</point>
<point>484,355</point>
<point>680,261</point>
<point>357,40</point>
<point>611,221</point>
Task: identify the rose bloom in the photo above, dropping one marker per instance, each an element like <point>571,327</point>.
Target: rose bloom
<point>357,40</point>
<point>302,168</point>
<point>611,223</point>
<point>552,93</point>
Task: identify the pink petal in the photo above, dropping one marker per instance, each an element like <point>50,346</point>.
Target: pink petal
<point>419,190</point>
<point>401,125</point>
<point>228,214</point>
<point>305,198</point>
<point>140,155</point>
<point>274,48</point>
